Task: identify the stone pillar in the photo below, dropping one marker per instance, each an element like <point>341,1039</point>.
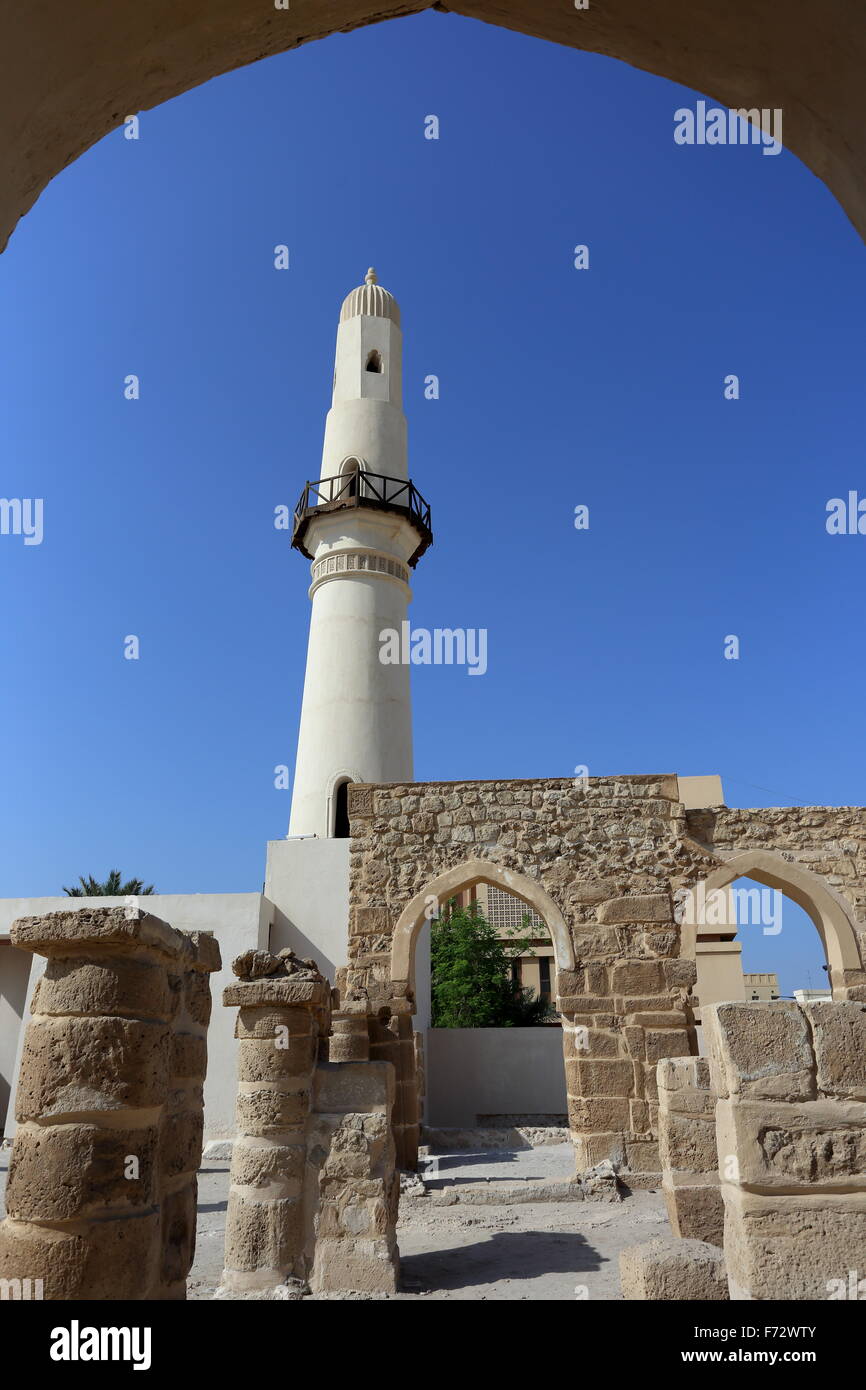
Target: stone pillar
<point>791,1134</point>
<point>86,1177</point>
<point>353,1182</point>
<point>284,1007</point>
<point>687,1145</point>
<point>392,1040</point>
<point>620,1017</point>
<point>182,1123</point>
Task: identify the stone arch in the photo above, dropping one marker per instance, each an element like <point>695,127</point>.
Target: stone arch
<point>71,80</point>
<point>464,876</point>
<point>830,913</point>
<point>343,778</point>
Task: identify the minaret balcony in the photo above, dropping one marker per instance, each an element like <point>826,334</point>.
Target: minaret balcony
<point>362,489</point>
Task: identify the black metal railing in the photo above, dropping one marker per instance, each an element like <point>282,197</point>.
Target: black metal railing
<point>361,488</point>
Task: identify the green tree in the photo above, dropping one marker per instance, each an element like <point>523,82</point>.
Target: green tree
<point>471,984</point>
<point>113,887</point>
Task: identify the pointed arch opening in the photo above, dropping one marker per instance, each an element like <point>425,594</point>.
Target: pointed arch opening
<point>340,824</point>
<point>446,885</point>
<point>711,913</point>
<point>350,474</point>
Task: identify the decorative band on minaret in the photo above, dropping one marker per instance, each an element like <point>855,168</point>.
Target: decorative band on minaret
<point>364,526</point>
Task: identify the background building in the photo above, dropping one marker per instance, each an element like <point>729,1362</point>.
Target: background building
<point>760,985</point>
<point>514,920</point>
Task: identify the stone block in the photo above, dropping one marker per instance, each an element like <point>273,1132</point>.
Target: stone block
<point>113,1260</point>
<point>277,1170</point>
<point>269,1023</point>
<point>667,1042</point>
<point>599,1077</point>
<point>341,1087</point>
<point>196,997</point>
<point>642,1156</point>
<point>274,1059</point>
<point>760,1051</point>
<point>120,985</point>
<point>592,1149</point>
<point>679,1074</point>
<point>650,907</point>
<point>644,977</point>
<point>71,1065</point>
<point>602,1113</point>
<point>263,1112</point>
<point>668,1269</point>
<point>586,1004</point>
<point>188,1057</point>
<point>680,973</point>
<point>204,951</point>
<point>839,1040</point>
<point>75,932</point>
<point>67,1172</point>
<point>653,1020</point>
<point>362,1265</point>
<point>688,1142</point>
<point>695,1209</point>
<point>180,1142</point>
<point>638,1112</point>
<point>277,990</point>
<point>819,1146</point>
<point>777,1247</point>
<point>263,1234</point>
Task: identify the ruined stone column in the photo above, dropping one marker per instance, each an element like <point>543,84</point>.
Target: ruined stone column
<point>182,1124</point>
<point>392,1040</point>
<point>687,1145</point>
<point>791,1135</point>
<point>85,1182</point>
<point>353,1183</point>
<point>284,1006</point>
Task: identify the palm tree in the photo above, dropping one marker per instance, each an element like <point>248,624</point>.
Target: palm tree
<point>113,887</point>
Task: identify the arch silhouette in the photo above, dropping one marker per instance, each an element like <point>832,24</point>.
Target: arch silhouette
<point>464,875</point>
<point>73,75</point>
<point>828,910</point>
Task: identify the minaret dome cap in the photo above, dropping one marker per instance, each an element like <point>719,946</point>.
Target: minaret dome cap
<point>370,299</point>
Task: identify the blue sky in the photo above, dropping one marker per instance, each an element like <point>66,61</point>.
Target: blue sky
<point>558,387</point>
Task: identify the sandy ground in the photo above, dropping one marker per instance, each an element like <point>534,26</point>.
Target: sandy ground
<point>503,1250</point>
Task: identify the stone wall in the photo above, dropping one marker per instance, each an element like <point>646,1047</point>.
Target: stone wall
<point>791,1136</point>
<point>101,1198</point>
<point>613,856</point>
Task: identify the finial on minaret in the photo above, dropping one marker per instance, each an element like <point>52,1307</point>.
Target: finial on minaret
<point>370,277</point>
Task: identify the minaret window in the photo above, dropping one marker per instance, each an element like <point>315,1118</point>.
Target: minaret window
<point>341,812</point>
<point>374,362</point>
<point>350,471</point>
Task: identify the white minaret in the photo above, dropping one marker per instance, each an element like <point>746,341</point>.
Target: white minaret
<point>363,526</point>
